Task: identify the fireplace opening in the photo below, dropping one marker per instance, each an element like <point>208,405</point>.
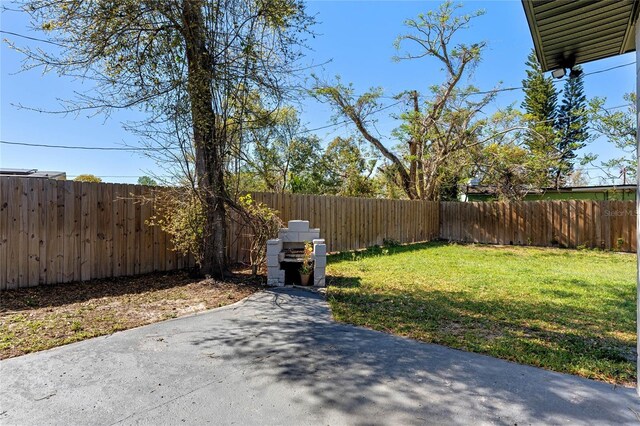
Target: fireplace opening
<point>292,273</point>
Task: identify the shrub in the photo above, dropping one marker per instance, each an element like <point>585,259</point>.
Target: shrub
<point>263,223</point>
<point>179,213</point>
<point>390,242</point>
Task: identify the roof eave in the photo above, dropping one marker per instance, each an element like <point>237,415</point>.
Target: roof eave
<point>544,53</point>
<point>630,31</point>
<point>535,34</point>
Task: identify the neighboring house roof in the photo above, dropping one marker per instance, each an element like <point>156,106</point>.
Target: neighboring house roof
<point>567,33</point>
<point>489,190</point>
<point>33,173</point>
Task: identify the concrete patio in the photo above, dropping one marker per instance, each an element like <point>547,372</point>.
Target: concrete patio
<point>278,358</point>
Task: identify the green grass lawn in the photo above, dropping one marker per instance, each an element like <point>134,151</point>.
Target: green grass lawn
<point>563,310</point>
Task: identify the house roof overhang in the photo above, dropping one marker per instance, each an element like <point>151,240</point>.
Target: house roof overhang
<point>571,32</point>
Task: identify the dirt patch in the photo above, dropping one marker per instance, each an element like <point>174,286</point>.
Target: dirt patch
<point>39,318</point>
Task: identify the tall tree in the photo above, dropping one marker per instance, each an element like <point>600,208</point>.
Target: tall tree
<point>540,106</point>
<point>572,123</point>
<point>557,131</point>
<point>540,95</point>
<point>190,64</point>
<point>436,127</point>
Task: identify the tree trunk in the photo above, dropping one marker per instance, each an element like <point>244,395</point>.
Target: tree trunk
<point>557,179</point>
<point>209,141</point>
<point>432,188</point>
<point>211,178</point>
<point>413,146</point>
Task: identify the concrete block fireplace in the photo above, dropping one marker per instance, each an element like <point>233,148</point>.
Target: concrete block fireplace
<point>285,253</point>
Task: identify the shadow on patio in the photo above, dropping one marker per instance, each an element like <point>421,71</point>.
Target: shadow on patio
<point>365,373</point>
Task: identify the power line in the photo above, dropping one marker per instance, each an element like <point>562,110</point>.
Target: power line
<point>506,89</point>
<point>510,89</point>
<point>609,69</point>
<point>133,149</point>
<point>89,148</point>
<point>567,116</point>
<point>346,121</point>
<point>32,38</point>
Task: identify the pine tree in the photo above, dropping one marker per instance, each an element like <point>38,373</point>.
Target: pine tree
<point>558,131</point>
<point>540,105</point>
<point>571,125</point>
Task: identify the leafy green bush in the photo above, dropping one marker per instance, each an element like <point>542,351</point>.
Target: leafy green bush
<point>179,213</point>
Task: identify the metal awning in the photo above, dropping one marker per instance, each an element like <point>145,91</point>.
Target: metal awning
<point>572,32</point>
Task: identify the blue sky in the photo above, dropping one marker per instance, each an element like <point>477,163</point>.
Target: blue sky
<point>357,36</point>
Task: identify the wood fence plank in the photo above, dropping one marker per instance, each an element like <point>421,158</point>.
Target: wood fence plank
<point>548,235</point>
<point>606,224</point>
<point>60,231</point>
<point>482,222</point>
<point>32,233</point>
<point>343,226</point>
<point>629,223</point>
<point>497,227</point>
<point>620,226</point>
<point>156,247</point>
<point>77,231</point>
<point>564,224</point>
<point>631,211</point>
<point>118,227</point>
<point>15,255</point>
<point>69,225</point>
<point>536,223</point>
<point>108,229</point>
<point>5,192</point>
<point>611,228</point>
<point>146,212</point>
<point>579,223</point>
<point>14,249</point>
<point>573,223</point>
<point>593,243</point>
<point>85,231</point>
<point>366,223</point>
<point>31,269</point>
<point>137,229</point>
<point>583,237</point>
<point>506,226</point>
<point>43,208</point>
<point>363,220</point>
<point>597,225</point>
<point>101,255</point>
<point>130,231</point>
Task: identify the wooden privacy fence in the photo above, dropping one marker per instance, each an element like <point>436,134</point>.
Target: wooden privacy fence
<point>610,225</point>
<point>60,231</point>
<point>347,223</point>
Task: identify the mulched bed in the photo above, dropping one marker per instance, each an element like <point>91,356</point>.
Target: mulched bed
<point>39,318</point>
